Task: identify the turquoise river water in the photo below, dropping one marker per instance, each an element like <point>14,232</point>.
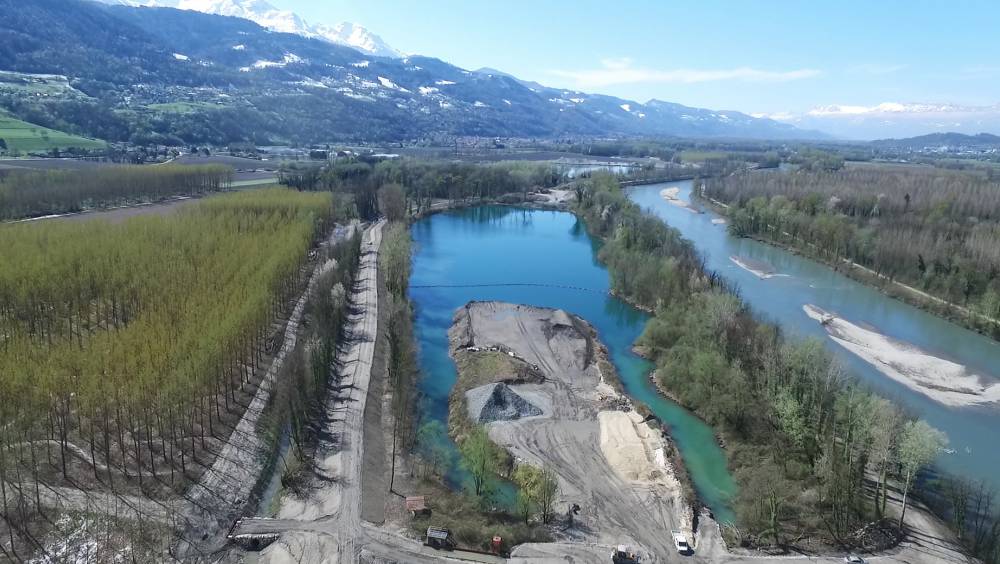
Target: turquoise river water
<point>489,246</point>
<point>971,430</point>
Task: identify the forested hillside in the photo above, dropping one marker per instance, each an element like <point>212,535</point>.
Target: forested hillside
<point>160,75</point>
<point>929,228</point>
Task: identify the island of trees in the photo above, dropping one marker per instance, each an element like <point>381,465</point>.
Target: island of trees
<point>803,437</point>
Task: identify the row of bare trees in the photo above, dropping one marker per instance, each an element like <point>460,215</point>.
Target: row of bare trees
<point>38,193</point>
<point>930,228</point>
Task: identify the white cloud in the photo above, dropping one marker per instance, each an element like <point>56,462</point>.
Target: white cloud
<point>621,71</point>
<point>876,69</point>
<point>888,108</point>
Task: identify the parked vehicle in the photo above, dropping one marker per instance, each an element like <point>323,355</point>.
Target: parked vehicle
<point>624,555</point>
<point>438,538</point>
<point>681,542</point>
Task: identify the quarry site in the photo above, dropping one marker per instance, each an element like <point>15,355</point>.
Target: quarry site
<point>570,417</point>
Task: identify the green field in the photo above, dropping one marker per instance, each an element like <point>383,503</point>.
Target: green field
<point>25,137</point>
<point>695,156</point>
<point>184,107</point>
<point>47,85</point>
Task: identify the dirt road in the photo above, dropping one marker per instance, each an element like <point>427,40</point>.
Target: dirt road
<point>222,492</point>
<point>328,519</point>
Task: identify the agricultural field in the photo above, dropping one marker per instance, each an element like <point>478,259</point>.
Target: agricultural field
<point>44,85</point>
<point>184,107</point>
<point>23,137</point>
<point>696,156</point>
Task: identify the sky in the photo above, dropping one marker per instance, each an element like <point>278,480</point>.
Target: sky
<point>766,57</point>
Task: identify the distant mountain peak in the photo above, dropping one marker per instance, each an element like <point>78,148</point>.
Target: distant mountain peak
<point>286,21</point>
<point>895,119</point>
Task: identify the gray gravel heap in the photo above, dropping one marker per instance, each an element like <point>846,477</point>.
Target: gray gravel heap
<point>498,402</point>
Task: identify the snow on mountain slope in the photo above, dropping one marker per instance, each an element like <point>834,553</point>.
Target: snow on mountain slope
<point>266,15</point>
<point>894,119</point>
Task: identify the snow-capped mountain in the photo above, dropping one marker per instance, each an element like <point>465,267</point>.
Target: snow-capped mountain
<point>240,81</point>
<point>894,119</point>
<point>270,17</point>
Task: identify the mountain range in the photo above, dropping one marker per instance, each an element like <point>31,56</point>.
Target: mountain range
<point>936,141</point>
<point>894,119</point>
<point>168,75</point>
<point>274,19</point>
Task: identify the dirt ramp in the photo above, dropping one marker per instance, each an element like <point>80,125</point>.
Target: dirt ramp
<point>498,402</point>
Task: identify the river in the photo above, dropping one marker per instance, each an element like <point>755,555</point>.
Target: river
<point>797,281</point>
<point>496,245</point>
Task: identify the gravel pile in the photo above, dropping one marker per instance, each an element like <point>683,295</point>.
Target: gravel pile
<point>498,402</point>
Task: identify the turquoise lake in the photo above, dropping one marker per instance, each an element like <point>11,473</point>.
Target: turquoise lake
<point>489,246</point>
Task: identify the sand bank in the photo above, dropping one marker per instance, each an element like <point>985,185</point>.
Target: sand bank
<point>939,379</point>
<point>758,268</point>
<point>672,195</point>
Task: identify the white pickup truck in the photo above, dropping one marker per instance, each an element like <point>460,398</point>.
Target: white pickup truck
<point>681,542</point>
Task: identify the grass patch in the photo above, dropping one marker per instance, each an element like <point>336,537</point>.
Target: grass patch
<point>184,107</point>
<point>471,526</point>
<point>25,137</point>
<point>480,368</point>
<point>37,84</point>
<point>693,156</point>
<point>255,182</point>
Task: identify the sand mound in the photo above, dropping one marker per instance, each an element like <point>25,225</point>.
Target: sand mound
<point>623,441</point>
<point>498,402</point>
<point>561,319</point>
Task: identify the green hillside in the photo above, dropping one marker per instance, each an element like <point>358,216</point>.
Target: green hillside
<point>21,136</point>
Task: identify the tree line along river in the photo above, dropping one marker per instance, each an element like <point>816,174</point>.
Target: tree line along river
<point>793,282</point>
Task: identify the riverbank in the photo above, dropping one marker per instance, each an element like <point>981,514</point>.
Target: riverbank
<point>570,417</point>
<point>955,313</point>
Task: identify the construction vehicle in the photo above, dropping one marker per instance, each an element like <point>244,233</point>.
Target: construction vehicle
<point>438,539</point>
<point>624,555</point>
<point>681,542</point>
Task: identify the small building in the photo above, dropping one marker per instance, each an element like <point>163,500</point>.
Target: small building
<point>417,505</point>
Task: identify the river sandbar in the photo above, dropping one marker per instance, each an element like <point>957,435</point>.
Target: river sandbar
<point>939,379</point>
<point>672,195</point>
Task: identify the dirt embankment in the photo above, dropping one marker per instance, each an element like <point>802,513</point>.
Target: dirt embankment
<point>543,385</point>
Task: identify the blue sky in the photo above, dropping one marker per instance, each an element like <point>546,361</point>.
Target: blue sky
<point>767,57</point>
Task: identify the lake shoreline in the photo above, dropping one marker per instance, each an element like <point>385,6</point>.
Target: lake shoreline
<point>695,500</point>
<point>546,382</point>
